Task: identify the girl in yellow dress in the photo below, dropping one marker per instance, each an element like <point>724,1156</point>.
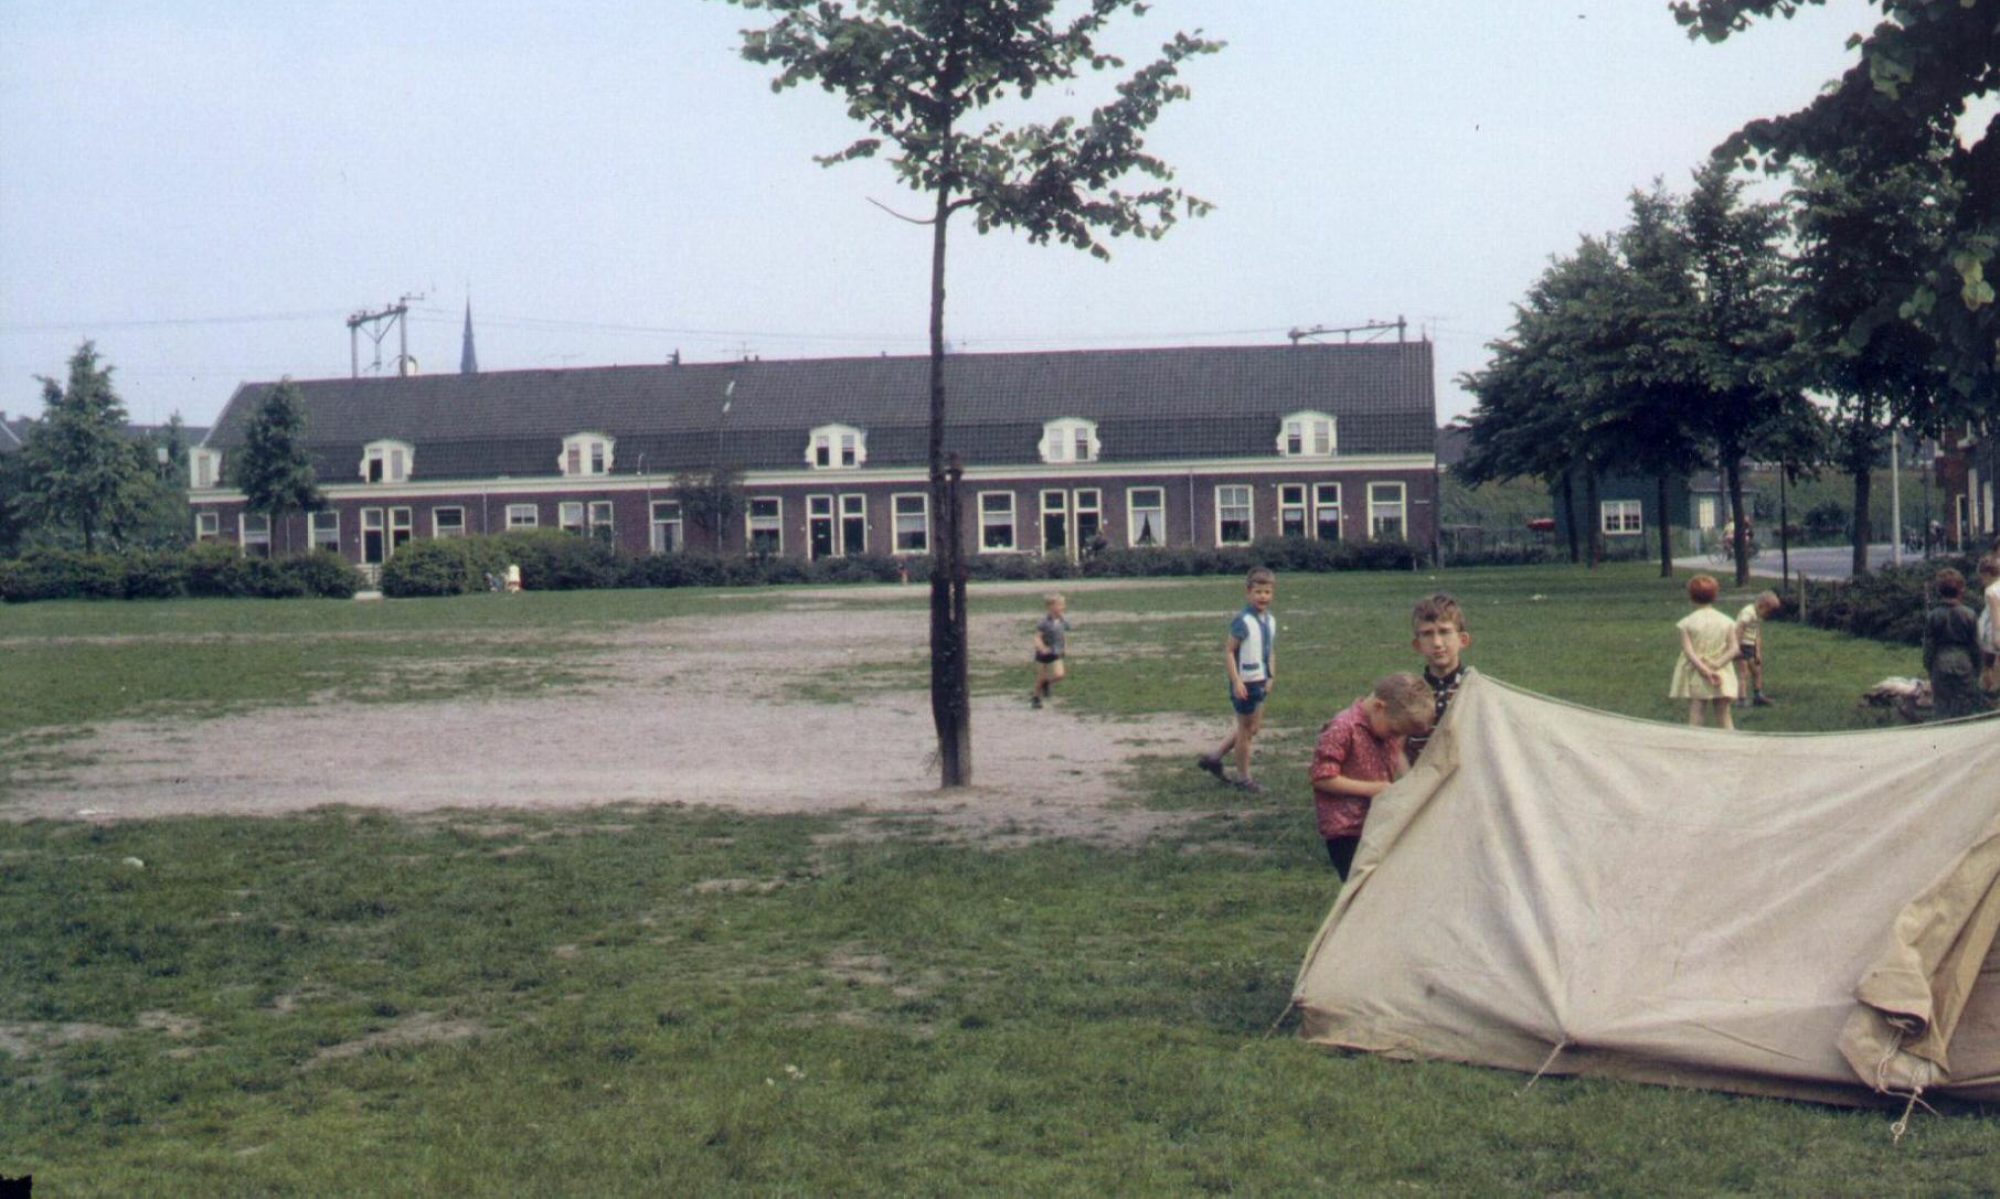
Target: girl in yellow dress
<point>1704,674</point>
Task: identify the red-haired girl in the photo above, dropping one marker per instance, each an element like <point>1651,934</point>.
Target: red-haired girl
<point>1703,674</point>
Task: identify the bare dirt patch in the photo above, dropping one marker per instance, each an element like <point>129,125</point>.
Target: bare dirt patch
<point>678,711</point>
<point>421,1028</point>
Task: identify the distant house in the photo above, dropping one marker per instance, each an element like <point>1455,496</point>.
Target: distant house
<point>1628,506</point>
<point>1968,468</point>
<point>1062,451</point>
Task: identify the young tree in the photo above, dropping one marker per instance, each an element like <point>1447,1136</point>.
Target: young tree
<point>710,499</point>
<point>77,465</point>
<point>914,72</point>
<point>273,470</point>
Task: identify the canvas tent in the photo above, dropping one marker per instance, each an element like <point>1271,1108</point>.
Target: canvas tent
<point>1555,889</point>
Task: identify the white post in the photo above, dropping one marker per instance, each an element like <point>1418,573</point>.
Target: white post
<point>1895,495</point>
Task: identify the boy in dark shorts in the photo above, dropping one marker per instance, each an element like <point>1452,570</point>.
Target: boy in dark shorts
<point>1051,642</point>
<point>1250,657</point>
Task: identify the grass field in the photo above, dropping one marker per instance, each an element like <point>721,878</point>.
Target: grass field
<point>661,1001</point>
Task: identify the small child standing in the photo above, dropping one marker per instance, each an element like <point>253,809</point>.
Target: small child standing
<point>1360,752</point>
<point>1702,673</point>
<point>1951,651</point>
<point>1250,657</point>
<point>1440,636</point>
<point>1989,620</point>
<point>1051,642</point>
<point>1749,640</point>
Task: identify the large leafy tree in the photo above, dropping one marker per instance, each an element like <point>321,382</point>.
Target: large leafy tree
<point>273,470</point>
<point>1902,102</point>
<point>916,73</point>
<point>78,465</point>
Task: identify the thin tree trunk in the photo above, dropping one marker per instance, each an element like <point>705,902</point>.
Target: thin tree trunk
<point>1590,509</point>
<point>1569,513</point>
<point>1732,471</point>
<point>1864,486</point>
<point>1666,524</point>
<point>951,705</point>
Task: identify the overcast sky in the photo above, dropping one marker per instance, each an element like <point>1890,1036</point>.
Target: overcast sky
<point>208,188</point>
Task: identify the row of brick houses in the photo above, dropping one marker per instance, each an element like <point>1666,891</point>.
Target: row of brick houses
<point>1062,452</point>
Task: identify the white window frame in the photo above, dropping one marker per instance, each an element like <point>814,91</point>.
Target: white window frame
<point>1012,524</point>
<point>1401,505</point>
<point>404,521</point>
<point>773,523</point>
<point>1063,437</point>
<point>569,517</point>
<point>1295,497</point>
<point>601,514</point>
<point>1249,506</point>
<point>594,455</point>
<point>1320,507</point>
<point>1621,518</point>
<point>898,518</point>
<point>208,526</point>
<point>669,532</point>
<point>1308,434</point>
<point>843,446</point>
<point>851,506</point>
<point>398,459</point>
<point>438,529</point>
<point>1132,510</point>
<point>204,470</point>
<point>313,529</point>
<point>524,516</point>
<point>1086,501</point>
<point>247,533</point>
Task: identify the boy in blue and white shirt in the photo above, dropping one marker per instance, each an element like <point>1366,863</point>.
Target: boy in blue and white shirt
<point>1250,656</point>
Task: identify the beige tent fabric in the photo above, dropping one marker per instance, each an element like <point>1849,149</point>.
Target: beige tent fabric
<point>1564,890</point>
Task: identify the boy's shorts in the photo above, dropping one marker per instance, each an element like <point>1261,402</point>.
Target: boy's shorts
<point>1749,651</point>
<point>1045,659</point>
<point>1247,706</point>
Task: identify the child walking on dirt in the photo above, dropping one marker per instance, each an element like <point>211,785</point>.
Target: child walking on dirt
<point>1051,642</point>
<point>1360,752</point>
<point>1439,635</point>
<point>1703,675</point>
<point>1249,656</point>
<point>1749,642</point>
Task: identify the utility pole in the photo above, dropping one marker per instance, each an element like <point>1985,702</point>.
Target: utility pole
<point>397,315</point>
<point>1373,329</point>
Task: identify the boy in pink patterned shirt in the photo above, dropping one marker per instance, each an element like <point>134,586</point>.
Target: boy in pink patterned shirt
<point>1360,752</point>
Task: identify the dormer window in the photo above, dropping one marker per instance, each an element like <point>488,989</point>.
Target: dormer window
<point>1071,439</point>
<point>204,469</point>
<point>586,454</point>
<point>836,447</point>
<point>387,461</point>
<point>1306,435</point>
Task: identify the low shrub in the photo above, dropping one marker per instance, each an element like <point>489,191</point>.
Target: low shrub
<point>421,568</point>
<point>216,571</point>
<point>324,573</point>
<point>47,574</point>
<point>155,575</point>
<point>1887,604</point>
<point>552,560</point>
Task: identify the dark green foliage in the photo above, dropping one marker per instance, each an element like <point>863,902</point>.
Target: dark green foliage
<point>453,566</point>
<point>272,469</point>
<point>47,574</point>
<point>216,571</point>
<point>323,573</point>
<point>155,575</point>
<point>552,560</point>
<point>79,469</point>
<point>1886,605</point>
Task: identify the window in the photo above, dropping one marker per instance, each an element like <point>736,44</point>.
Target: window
<point>1292,510</point>
<point>913,523</point>
<point>1386,520</point>
<point>1055,522</point>
<point>447,522</point>
<point>387,461</point>
<point>324,529</point>
<point>666,538</point>
<point>1326,511</point>
<point>522,516</point>
<point>1621,518</point>
<point>1071,439</point>
<point>600,520</point>
<point>996,521</point>
<point>569,516</point>
<point>1146,516</point>
<point>1234,513</point>
<point>1087,503</point>
<point>1306,435</point>
<point>766,525</point>
<point>400,526</point>
<point>207,526</point>
<point>204,469</point>
<point>374,548</point>
<point>853,524</point>
<point>253,533</point>
<point>585,454</point>
<point>836,447</point>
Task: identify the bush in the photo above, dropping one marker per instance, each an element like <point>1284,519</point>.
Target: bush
<point>431,568</point>
<point>552,560</point>
<point>216,571</point>
<point>324,573</point>
<point>49,574</point>
<point>1885,605</point>
<point>155,576</point>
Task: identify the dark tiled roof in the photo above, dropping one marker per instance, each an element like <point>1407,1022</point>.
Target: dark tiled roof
<point>1148,404</point>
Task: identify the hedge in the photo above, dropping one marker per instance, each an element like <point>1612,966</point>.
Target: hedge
<point>205,571</point>
<point>1887,604</point>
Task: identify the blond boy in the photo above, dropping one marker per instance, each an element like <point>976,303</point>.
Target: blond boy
<point>1250,658</point>
<point>1750,657</point>
<point>1051,643</point>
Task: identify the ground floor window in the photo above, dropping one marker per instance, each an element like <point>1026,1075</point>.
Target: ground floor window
<point>253,532</point>
<point>447,522</point>
<point>324,529</point>
<point>913,523</point>
<point>996,520</point>
<point>1292,510</point>
<point>1235,514</point>
<point>374,532</point>
<point>207,526</point>
<point>600,520</point>
<point>766,528</point>
<point>402,524</point>
<point>666,538</point>
<point>569,516</point>
<point>1621,517</point>
<point>1326,511</point>
<point>1388,518</point>
<point>1146,516</point>
<point>522,516</point>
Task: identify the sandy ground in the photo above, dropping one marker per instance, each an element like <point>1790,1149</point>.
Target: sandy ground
<point>673,714</point>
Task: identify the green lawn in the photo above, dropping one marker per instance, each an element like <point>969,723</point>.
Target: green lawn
<point>663,1001</point>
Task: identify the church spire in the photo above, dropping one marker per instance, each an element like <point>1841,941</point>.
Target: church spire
<point>468,358</point>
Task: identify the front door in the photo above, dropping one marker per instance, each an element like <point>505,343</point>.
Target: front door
<point>374,537</point>
<point>820,526</point>
<point>1055,524</point>
<point>1070,521</point>
<point>853,524</point>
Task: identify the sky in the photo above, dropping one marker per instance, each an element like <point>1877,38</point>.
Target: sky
<point>208,189</point>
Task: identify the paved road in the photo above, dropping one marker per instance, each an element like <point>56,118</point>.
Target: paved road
<point>1819,562</point>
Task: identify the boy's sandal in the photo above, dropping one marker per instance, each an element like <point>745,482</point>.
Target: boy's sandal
<point>1211,764</point>
<point>1251,786</point>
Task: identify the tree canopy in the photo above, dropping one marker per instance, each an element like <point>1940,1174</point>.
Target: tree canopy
<point>78,466</point>
<point>273,470</point>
